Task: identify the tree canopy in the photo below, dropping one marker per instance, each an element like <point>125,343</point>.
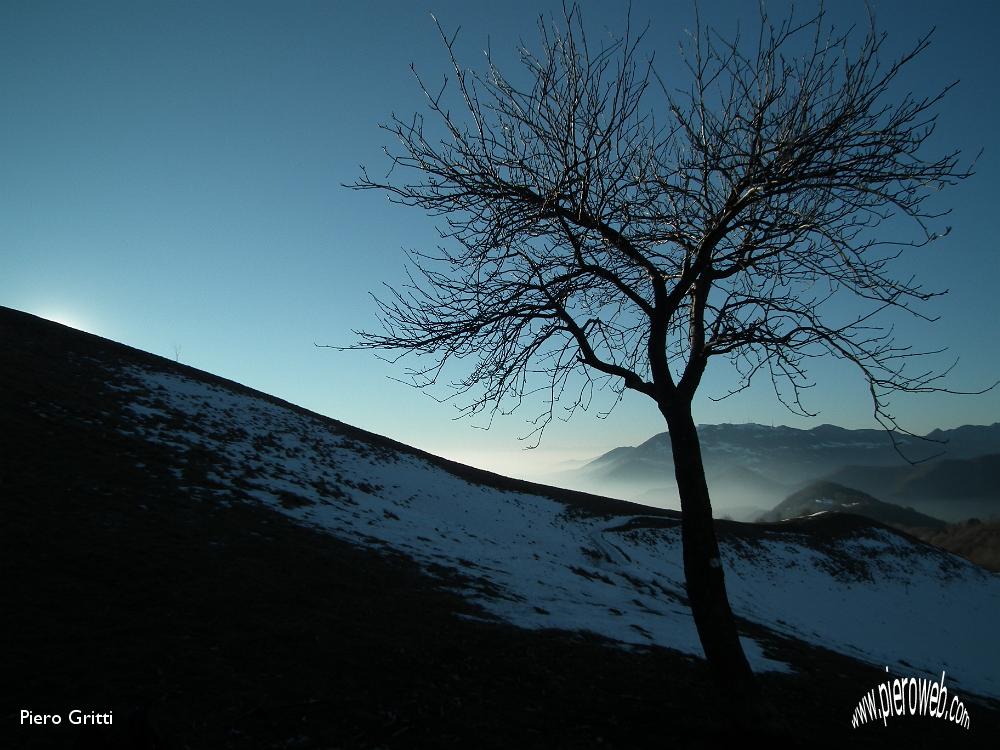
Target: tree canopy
<point>604,226</point>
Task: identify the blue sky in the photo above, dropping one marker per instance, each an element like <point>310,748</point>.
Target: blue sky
<point>171,178</point>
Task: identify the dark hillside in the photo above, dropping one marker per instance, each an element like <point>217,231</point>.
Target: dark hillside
<point>831,497</point>
<point>128,587</point>
<point>974,539</point>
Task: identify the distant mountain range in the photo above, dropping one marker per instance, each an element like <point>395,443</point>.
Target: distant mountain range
<point>968,478</point>
<point>750,467</point>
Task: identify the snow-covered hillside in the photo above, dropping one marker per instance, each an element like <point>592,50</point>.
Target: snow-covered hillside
<point>537,562</point>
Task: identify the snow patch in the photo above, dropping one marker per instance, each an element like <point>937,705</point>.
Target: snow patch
<point>530,561</point>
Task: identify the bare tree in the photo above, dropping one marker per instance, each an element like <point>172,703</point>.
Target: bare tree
<point>606,228</point>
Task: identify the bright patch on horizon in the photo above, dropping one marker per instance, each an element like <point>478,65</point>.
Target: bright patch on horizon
<point>68,319</point>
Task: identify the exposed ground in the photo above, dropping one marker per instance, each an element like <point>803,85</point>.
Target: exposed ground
<point>975,540</point>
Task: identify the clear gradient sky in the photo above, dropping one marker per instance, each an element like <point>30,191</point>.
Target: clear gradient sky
<point>170,177</point>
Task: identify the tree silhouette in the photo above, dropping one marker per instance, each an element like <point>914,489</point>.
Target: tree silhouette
<point>606,228</point>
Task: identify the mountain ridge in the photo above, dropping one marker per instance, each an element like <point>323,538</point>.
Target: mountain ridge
<point>825,496</point>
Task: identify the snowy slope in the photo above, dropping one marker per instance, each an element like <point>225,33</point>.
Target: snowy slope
<point>538,563</point>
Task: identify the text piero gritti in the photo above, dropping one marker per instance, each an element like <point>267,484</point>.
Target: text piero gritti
<point>75,717</point>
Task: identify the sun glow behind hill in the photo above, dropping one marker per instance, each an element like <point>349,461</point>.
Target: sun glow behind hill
<point>70,318</point>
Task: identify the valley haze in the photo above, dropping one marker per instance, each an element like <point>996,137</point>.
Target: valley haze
<point>952,474</point>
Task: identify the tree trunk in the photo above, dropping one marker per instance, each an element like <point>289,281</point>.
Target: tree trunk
<point>706,586</point>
